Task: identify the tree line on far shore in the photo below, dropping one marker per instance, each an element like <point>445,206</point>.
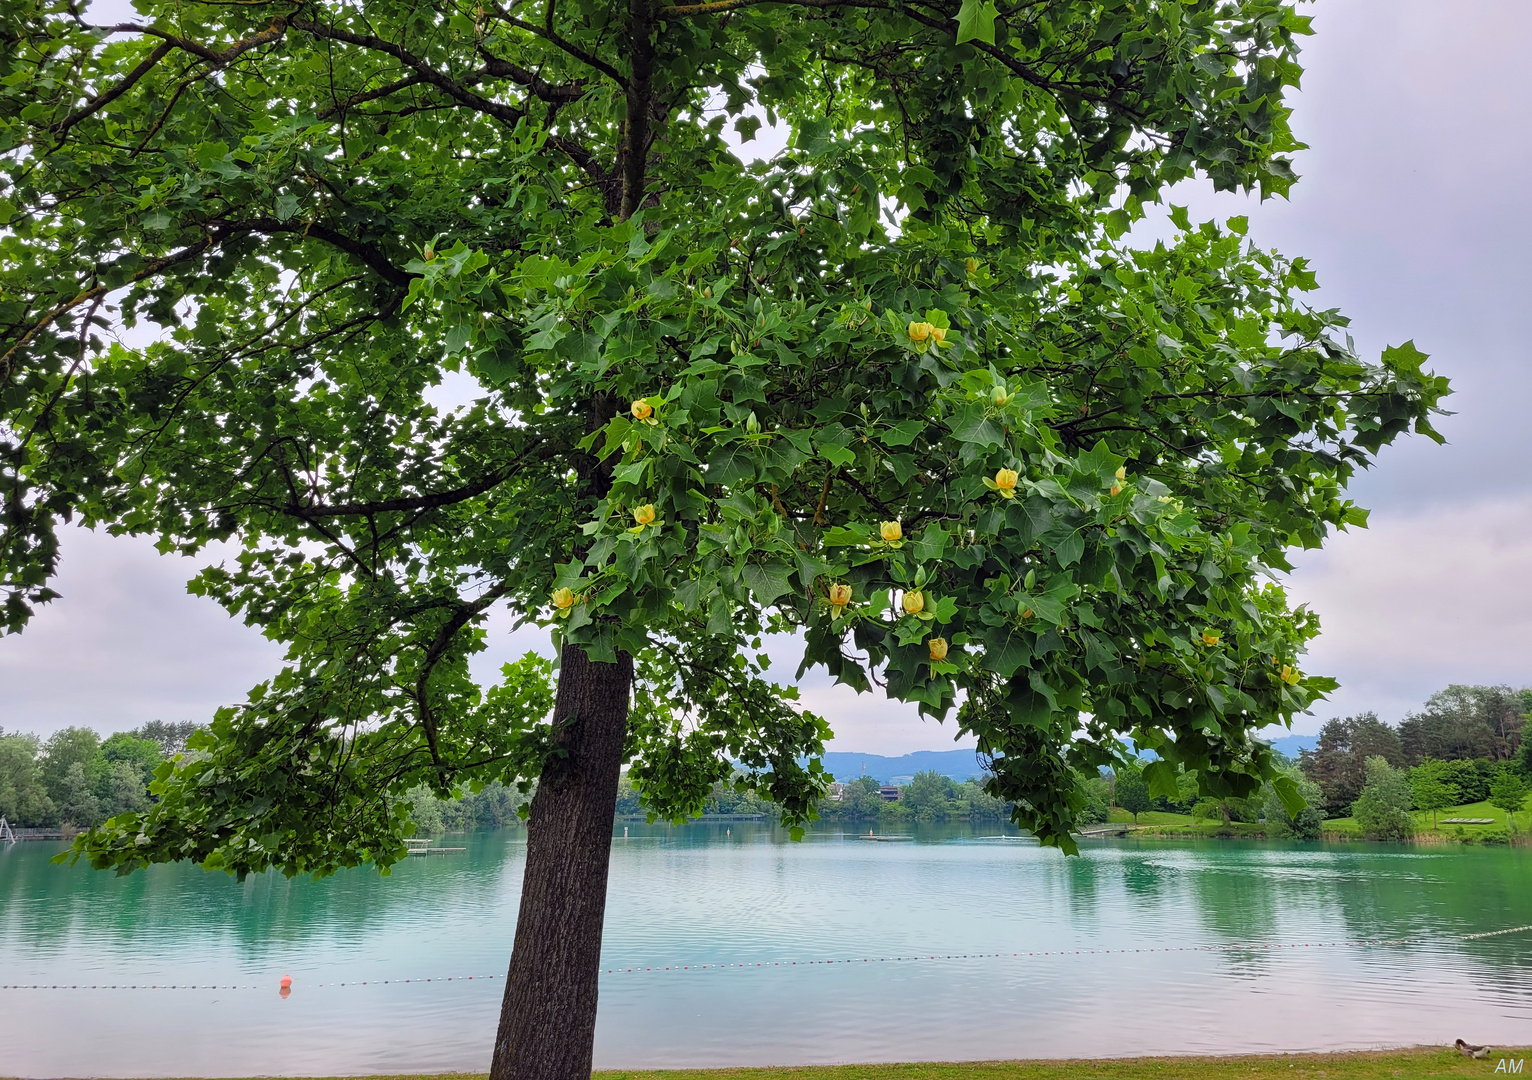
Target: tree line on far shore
<point>77,778</point>
<point>1465,746</point>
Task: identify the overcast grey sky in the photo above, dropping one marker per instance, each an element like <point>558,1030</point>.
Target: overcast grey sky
<point>1412,210</point>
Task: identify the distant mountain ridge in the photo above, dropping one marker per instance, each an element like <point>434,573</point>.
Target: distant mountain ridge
<point>963,765</point>
<point>958,764</point>
<point>1291,744</point>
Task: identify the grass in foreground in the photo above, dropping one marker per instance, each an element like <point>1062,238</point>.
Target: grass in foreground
<point>1417,1064</point>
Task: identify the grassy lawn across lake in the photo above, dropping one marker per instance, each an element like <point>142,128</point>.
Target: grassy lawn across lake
<point>1494,833</point>
<point>1427,1063</point>
<point>1158,823</point>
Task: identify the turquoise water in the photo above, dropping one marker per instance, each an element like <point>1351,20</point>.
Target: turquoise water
<point>913,927</point>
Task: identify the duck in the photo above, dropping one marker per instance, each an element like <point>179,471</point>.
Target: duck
<point>1469,1050</point>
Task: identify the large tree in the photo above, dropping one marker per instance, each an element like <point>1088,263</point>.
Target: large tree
<point>1466,722</point>
<point>465,306</point>
<point>1338,763</point>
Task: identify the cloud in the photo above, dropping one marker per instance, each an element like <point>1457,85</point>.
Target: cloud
<point>127,644</point>
<point>1420,600</point>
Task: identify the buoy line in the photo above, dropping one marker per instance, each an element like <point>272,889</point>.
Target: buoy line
<point>751,965</point>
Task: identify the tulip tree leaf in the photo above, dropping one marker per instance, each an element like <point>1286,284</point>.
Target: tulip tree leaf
<point>976,21</point>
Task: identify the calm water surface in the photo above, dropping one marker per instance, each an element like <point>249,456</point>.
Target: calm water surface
<point>697,896</point>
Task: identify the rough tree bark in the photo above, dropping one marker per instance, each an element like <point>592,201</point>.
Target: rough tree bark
<point>548,1015</point>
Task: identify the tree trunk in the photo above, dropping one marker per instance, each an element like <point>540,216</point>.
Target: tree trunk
<point>548,1015</point>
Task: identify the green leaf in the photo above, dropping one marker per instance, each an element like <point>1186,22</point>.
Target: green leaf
<point>1162,779</point>
<point>581,347</point>
<point>972,426</point>
<point>1292,799</point>
<point>976,21</point>
<point>632,472</point>
<point>1006,649</point>
<point>903,433</point>
<point>457,337</point>
<point>843,537</point>
<point>731,464</point>
<point>767,581</point>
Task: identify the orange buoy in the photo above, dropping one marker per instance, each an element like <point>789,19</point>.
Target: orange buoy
<point>286,986</point>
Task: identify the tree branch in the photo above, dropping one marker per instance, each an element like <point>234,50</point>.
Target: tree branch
<point>277,28</point>
<point>7,361</point>
<point>370,255</point>
<point>547,34</point>
<point>454,88</point>
<point>106,97</point>
<point>535,83</point>
<point>434,652</point>
<point>372,95</point>
<point>315,511</point>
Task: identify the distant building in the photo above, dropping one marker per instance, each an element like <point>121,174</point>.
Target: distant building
<point>837,792</point>
<point>889,792</point>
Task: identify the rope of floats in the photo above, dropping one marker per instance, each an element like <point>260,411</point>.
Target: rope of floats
<point>286,981</point>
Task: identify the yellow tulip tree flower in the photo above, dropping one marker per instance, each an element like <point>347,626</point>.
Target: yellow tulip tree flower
<point>1004,483</point>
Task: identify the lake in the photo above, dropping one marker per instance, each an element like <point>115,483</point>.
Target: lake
<point>938,947</point>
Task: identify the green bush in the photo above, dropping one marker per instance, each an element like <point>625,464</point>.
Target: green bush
<point>1383,808</point>
<point>1307,823</point>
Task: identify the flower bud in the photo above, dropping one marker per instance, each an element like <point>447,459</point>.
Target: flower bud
<point>752,423</point>
<point>1122,472</point>
<point>1026,613</point>
<point>998,394</point>
<point>641,410</point>
<point>938,647</point>
<point>971,265</point>
<point>891,531</point>
<point>914,602</point>
<point>1211,637</point>
<point>644,515</point>
<point>840,596</point>
<point>1005,482</point>
<point>920,331</point>
<point>1115,489</point>
<point>1290,675</point>
<point>563,599</point>
<point>938,334</point>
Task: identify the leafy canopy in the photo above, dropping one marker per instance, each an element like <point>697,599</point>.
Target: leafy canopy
<point>899,388</point>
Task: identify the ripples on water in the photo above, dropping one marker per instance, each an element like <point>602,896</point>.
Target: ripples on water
<point>700,896</point>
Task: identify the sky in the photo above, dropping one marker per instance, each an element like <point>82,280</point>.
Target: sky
<point>1411,210</point>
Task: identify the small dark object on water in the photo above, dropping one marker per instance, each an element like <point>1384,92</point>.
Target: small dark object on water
<point>1468,1050</point>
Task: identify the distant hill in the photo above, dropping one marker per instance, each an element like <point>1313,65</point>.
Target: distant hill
<point>958,764</point>
<point>1291,744</point>
<point>963,764</point>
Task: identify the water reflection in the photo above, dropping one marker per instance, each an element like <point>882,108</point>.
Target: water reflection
<point>736,893</point>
